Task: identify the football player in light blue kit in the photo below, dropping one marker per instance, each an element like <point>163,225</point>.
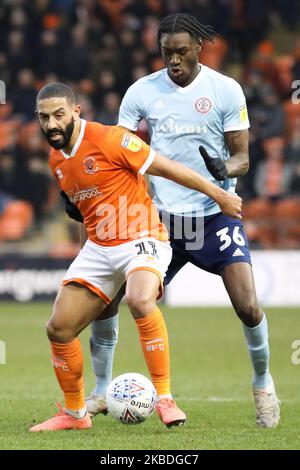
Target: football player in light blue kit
<point>189,106</point>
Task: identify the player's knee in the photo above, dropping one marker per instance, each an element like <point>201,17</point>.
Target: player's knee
<point>140,304</point>
<point>250,314</point>
<point>58,333</point>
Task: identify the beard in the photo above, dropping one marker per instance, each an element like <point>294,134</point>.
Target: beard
<point>65,136</point>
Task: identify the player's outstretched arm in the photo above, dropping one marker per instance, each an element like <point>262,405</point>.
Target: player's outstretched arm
<point>230,204</point>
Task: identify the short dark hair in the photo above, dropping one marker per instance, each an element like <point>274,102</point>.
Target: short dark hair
<point>56,90</point>
<point>185,23</point>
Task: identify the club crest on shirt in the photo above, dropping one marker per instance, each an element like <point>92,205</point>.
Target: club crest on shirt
<point>203,105</point>
<point>90,165</point>
<point>131,143</point>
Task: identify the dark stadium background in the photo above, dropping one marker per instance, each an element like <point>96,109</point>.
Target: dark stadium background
<point>100,47</point>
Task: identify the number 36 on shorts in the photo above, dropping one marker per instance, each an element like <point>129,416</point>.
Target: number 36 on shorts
<point>227,236</point>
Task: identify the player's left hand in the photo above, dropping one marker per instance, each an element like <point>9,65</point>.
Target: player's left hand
<point>71,209</point>
<point>216,166</point>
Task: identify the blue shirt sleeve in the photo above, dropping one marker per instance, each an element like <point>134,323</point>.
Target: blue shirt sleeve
<point>131,112</point>
<point>235,116</point>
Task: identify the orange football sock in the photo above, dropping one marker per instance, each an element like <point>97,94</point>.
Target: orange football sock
<point>67,360</point>
<point>155,345</point>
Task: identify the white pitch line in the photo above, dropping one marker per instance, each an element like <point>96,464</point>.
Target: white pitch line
<point>221,399</point>
<point>230,400</point>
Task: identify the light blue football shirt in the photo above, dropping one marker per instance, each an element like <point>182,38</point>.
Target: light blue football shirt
<point>179,120</point>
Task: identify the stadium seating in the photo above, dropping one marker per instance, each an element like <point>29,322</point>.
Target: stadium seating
<point>15,221</point>
<point>292,115</point>
<point>273,224</point>
<point>287,219</point>
<point>258,222</point>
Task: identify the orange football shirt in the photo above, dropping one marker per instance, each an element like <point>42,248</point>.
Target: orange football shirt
<point>103,177</point>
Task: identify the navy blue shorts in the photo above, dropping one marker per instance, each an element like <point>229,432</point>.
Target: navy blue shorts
<point>223,242</point>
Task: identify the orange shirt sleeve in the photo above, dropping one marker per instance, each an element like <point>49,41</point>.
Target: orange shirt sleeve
<point>129,151</point>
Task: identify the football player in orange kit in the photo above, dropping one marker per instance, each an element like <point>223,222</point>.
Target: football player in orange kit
<point>100,169</point>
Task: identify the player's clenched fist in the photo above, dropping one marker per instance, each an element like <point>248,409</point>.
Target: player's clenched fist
<point>216,166</point>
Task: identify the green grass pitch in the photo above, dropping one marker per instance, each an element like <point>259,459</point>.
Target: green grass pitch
<point>211,381</point>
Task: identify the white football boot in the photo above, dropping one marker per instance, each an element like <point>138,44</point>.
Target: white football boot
<point>267,407</point>
<point>96,404</point>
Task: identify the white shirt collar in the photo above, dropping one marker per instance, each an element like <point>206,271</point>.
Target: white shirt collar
<point>192,85</point>
<point>78,141</point>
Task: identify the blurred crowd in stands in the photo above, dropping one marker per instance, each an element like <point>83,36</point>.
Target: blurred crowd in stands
<point>100,47</point>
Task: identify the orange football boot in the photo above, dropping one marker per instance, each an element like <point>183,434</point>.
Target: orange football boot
<point>169,413</point>
<point>61,421</point>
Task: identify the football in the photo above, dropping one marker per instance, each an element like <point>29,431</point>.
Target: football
<point>131,398</point>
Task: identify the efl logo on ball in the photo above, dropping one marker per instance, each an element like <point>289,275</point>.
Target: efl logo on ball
<point>131,398</point>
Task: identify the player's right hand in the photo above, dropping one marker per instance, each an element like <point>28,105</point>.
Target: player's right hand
<point>230,204</point>
<point>216,166</point>
<point>71,209</point>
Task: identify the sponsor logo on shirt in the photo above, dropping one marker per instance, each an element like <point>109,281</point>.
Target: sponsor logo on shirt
<point>132,143</point>
<point>83,194</point>
<point>173,127</point>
